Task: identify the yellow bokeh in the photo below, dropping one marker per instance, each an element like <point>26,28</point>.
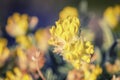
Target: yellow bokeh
<point>111,15</point>
<point>17,75</point>
<point>4,51</point>
<point>17,24</point>
<point>23,41</point>
<point>68,11</point>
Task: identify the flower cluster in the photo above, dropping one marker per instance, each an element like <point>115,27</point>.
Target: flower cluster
<point>68,11</point>
<point>87,72</point>
<point>65,37</point>
<point>92,72</point>
<point>17,27</point>
<point>113,68</point>
<point>79,52</point>
<point>17,24</point>
<point>24,41</point>
<point>64,31</point>
<point>16,74</point>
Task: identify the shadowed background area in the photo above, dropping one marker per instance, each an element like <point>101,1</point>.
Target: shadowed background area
<point>47,10</point>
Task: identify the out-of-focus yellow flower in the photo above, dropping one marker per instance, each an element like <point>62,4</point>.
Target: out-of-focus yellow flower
<point>17,24</point>
<point>27,77</point>
<point>42,37</point>
<point>17,75</point>
<point>75,75</point>
<point>23,41</point>
<point>68,11</point>
<point>22,59</point>
<point>3,44</point>
<point>10,75</point>
<point>65,38</point>
<point>91,71</point>
<point>85,72</point>
<point>4,51</point>
<point>39,34</point>
<point>117,10</point>
<point>95,72</point>
<point>111,16</point>
<point>17,72</point>
<point>113,68</point>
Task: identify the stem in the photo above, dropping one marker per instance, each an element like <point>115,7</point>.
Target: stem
<point>39,71</point>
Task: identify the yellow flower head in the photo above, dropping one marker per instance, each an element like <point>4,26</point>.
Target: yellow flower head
<point>41,37</point>
<point>68,11</point>
<point>64,30</point>
<point>91,71</point>
<point>3,44</point>
<point>23,41</point>
<point>86,72</point>
<point>17,74</point>
<point>110,16</point>
<point>95,73</point>
<point>39,34</point>
<point>4,51</point>
<point>17,24</point>
<point>65,38</point>
<point>117,10</point>
<point>77,52</point>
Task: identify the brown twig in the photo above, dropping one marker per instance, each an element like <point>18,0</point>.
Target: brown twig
<point>39,71</point>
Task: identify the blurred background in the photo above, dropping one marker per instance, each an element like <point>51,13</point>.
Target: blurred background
<point>48,11</point>
<point>24,26</point>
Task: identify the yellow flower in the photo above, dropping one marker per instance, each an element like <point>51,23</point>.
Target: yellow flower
<point>17,24</point>
<point>110,16</point>
<point>39,34</point>
<point>41,37</point>
<point>91,71</point>
<point>68,11</point>
<point>65,38</point>
<point>76,64</point>
<point>113,68</point>
<point>17,72</point>
<point>86,58</point>
<point>17,75</point>
<point>86,72</point>
<point>77,51</point>
<point>3,44</point>
<point>90,48</point>
<point>22,59</point>
<point>95,72</point>
<point>4,51</point>
<point>10,75</point>
<point>23,41</point>
<point>26,77</point>
<point>64,30</point>
<point>117,10</point>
